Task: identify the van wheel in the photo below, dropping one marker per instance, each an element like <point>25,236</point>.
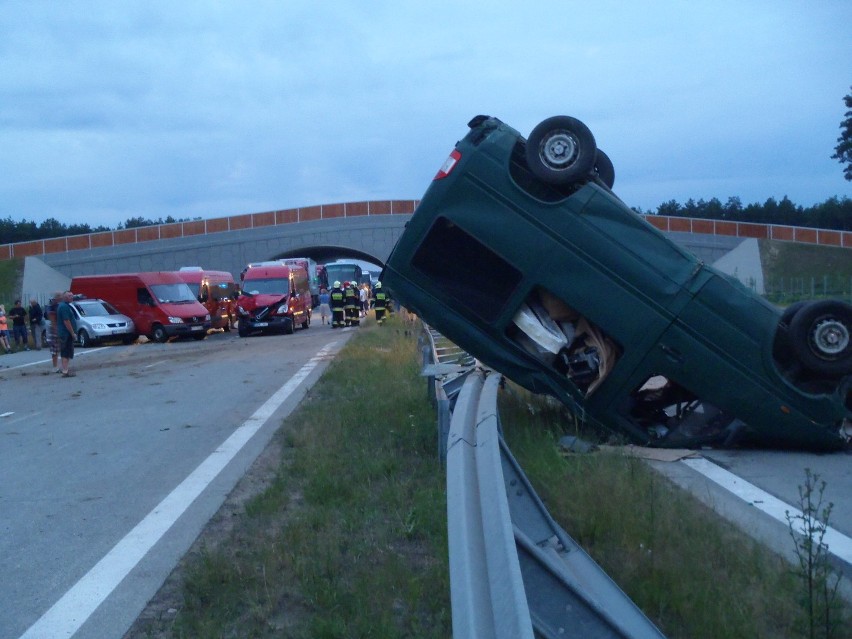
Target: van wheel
<point>159,334</point>
<point>288,326</point>
<point>242,329</point>
<point>307,323</point>
<point>603,169</point>
<point>561,150</point>
<point>83,338</point>
<point>821,339</point>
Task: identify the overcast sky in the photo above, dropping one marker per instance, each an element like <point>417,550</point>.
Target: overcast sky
<point>117,109</point>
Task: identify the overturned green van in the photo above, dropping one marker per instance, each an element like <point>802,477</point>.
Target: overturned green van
<point>520,253</point>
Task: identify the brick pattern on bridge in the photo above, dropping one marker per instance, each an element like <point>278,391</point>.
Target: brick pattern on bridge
<point>386,207</point>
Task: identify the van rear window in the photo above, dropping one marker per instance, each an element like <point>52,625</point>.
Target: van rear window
<point>467,271</point>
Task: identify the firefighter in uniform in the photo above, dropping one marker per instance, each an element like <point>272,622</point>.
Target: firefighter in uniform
<point>337,306</point>
<point>353,304</point>
<point>380,303</point>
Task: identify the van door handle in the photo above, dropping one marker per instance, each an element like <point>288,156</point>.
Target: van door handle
<point>673,354</point>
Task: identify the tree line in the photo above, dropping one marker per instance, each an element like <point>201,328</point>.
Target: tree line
<point>26,231</point>
<point>835,213</point>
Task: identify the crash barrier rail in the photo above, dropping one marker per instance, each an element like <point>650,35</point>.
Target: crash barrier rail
<point>514,572</point>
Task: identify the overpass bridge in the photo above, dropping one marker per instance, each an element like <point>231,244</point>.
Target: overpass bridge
<point>365,231</point>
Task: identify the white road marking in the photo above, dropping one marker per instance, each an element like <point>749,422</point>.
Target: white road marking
<point>838,544</point>
<point>66,616</point>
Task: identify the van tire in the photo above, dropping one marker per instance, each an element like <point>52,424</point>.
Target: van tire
<point>821,335</point>
<point>561,150</point>
<point>307,323</point>
<point>603,169</point>
<point>159,335</point>
<point>288,326</point>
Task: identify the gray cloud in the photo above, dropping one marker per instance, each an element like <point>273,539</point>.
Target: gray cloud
<point>116,110</point>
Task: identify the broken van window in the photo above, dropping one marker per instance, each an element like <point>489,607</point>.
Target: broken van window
<point>548,328</point>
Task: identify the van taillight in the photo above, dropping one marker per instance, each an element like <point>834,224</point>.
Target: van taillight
<point>448,165</point>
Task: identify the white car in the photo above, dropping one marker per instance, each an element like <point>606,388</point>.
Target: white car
<point>98,320</point>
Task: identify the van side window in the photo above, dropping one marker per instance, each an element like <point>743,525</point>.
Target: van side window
<point>445,256</point>
<point>144,297</point>
<point>556,334</point>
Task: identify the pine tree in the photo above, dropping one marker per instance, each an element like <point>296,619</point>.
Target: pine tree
<point>843,150</point>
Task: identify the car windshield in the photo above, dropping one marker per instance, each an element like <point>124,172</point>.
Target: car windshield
<point>267,286</point>
<point>173,293</point>
<point>96,308</point>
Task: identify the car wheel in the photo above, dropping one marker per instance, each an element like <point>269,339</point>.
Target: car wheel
<point>820,333</point>
<point>83,338</point>
<point>159,334</point>
<point>561,150</point>
<point>603,169</point>
<point>128,339</point>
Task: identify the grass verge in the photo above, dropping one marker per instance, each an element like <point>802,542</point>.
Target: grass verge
<point>348,538</point>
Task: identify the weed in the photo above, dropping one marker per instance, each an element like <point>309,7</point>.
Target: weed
<point>819,581</point>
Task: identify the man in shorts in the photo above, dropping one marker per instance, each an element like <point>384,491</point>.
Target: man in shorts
<point>67,331</point>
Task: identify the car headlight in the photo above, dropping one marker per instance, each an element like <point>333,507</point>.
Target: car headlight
<point>175,320</point>
<point>241,310</point>
<point>282,310</point>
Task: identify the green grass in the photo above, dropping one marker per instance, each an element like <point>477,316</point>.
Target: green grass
<point>794,271</point>
<point>11,272</point>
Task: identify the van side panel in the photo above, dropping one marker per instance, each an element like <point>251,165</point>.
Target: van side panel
<point>131,293</point>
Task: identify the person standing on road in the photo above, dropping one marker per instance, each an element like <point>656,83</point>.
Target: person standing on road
<point>52,330</point>
<point>337,306</point>
<point>365,296</point>
<point>324,302</point>
<point>4,330</point>
<point>67,332</point>
<point>19,327</point>
<point>36,322</point>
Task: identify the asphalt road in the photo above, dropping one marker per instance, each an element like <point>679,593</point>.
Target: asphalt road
<point>107,478</point>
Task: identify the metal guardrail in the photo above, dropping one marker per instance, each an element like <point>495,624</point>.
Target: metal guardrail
<point>513,571</point>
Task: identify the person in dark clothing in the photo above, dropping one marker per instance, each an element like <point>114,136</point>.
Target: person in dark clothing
<point>337,306</point>
<point>67,331</point>
<point>19,327</point>
<point>380,303</point>
<point>352,305</point>
<point>36,322</point>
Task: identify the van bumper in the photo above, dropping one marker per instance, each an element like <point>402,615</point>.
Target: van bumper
<point>273,324</point>
<point>185,330</point>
